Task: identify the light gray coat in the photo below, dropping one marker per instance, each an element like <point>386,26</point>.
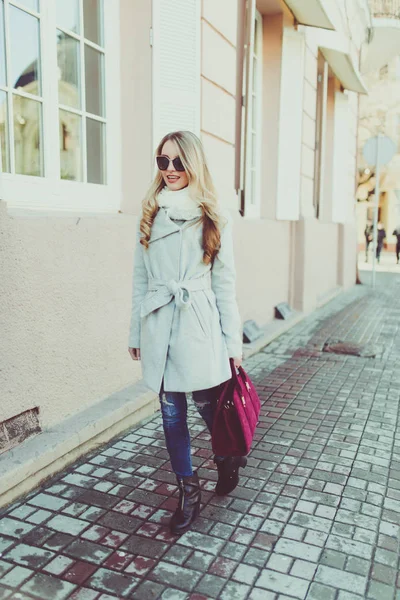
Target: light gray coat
<point>185,318</point>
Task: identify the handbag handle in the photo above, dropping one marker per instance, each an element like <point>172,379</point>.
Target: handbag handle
<point>235,374</point>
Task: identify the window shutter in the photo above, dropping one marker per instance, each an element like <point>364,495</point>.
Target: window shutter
<point>341,191</point>
<point>176,67</point>
<point>290,126</point>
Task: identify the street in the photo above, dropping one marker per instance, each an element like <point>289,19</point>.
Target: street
<point>316,515</point>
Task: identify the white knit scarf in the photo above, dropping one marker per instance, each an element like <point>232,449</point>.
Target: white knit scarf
<point>178,204</point>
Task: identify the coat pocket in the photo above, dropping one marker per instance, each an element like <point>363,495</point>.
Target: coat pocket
<point>199,319</point>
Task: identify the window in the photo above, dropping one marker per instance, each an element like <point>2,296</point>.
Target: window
<point>80,69</point>
<point>253,117</point>
<point>21,97</point>
<point>54,61</point>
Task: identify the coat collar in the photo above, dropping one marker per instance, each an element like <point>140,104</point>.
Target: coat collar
<point>163,225</point>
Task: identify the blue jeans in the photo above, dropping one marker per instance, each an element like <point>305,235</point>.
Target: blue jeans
<point>174,414</point>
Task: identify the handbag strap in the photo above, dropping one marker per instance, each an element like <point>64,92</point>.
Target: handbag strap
<point>240,371</point>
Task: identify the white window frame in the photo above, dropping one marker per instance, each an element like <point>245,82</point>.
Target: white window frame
<point>50,192</point>
<point>253,164</point>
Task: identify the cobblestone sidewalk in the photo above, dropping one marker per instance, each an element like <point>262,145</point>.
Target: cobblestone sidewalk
<point>317,514</point>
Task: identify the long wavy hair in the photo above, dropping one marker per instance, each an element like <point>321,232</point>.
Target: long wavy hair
<point>201,188</point>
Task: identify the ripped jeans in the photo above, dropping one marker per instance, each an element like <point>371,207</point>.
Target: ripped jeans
<point>174,415</point>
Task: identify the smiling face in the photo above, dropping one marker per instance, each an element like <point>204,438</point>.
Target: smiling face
<point>175,180</point>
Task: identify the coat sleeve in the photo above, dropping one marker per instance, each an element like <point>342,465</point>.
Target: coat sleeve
<point>223,283</point>
<point>139,289</point>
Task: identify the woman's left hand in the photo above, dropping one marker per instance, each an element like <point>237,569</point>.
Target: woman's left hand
<point>238,362</point>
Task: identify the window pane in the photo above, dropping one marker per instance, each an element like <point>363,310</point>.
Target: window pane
<point>2,46</point>
<point>4,153</point>
<point>25,57</point>
<point>95,151</point>
<point>32,4</point>
<point>68,70</point>
<point>68,15</point>
<point>70,146</point>
<point>27,136</point>
<point>93,21</point>
<point>94,81</point>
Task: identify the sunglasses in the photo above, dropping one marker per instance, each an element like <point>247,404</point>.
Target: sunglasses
<point>163,163</point>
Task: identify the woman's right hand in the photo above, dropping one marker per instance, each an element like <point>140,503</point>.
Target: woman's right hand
<point>135,353</point>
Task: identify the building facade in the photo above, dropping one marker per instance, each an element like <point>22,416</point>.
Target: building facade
<point>380,115</point>
<point>87,89</point>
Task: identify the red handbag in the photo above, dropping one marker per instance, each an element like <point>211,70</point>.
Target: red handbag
<point>236,415</point>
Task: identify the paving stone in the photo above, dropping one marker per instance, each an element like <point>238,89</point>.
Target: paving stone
<point>223,567</point>
<point>146,547</point>
<point>383,573</point>
<point>65,524</point>
<point>303,569</point>
<point>340,579</point>
<point>245,574</point>
<point>113,582</point>
<point>14,528</point>
<point>172,594</point>
<point>358,565</point>
<point>48,501</point>
<point>47,587</point>
<point>333,559</point>
<point>297,549</point>
<point>255,557</point>
<point>79,572</point>
<point>202,542</point>
<point>385,557</point>
<point>210,585</point>
<point>29,556</point>
<point>200,561</point>
<point>278,562</point>
<point>170,574</point>
<point>282,583</point>
<point>84,594</point>
<point>87,551</point>
<point>235,591</point>
<point>258,594</point>
<point>379,591</point>
<point>349,546</point>
<point>16,576</point>
<point>348,596</point>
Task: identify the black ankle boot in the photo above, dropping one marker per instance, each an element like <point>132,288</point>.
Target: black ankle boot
<point>188,504</point>
<point>228,473</point>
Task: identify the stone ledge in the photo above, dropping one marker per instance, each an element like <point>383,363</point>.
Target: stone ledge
<point>270,332</point>
<point>25,467</point>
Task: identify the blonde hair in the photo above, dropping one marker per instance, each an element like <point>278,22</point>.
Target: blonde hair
<point>200,187</point>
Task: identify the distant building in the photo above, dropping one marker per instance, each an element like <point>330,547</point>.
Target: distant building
<point>380,114</point>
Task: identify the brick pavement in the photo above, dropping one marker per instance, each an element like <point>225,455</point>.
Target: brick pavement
<point>317,514</point>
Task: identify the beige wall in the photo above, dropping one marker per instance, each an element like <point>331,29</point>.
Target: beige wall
<point>65,305</point>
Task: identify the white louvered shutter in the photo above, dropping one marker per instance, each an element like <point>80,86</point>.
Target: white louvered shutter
<point>341,185</point>
<point>290,125</point>
<point>176,67</point>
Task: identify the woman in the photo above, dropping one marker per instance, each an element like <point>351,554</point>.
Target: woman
<point>185,322</point>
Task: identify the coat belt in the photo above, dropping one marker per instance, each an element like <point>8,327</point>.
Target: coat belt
<point>160,292</point>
